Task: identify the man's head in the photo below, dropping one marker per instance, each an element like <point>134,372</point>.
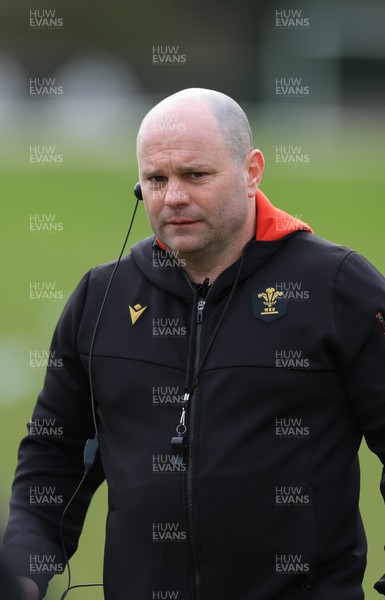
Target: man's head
<point>199,174</point>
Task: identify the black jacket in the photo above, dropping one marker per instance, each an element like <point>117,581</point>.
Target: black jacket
<point>265,505</point>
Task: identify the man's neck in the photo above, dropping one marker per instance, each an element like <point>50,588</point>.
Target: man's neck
<point>198,276</point>
<point>216,259</point>
<point>199,272</point>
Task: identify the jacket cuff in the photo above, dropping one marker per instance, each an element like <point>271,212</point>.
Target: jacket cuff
<point>40,566</point>
<point>380,585</point>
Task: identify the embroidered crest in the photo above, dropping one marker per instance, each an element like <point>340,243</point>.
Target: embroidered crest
<point>269,305</point>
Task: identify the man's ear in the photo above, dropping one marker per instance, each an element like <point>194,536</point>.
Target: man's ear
<point>254,165</point>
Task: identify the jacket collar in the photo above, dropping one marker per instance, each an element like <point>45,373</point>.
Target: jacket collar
<point>274,223</point>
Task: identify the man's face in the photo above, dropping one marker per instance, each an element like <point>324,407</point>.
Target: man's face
<point>195,195</point>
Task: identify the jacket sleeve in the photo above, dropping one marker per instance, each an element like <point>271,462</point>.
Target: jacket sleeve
<point>360,325</point>
<point>50,462</point>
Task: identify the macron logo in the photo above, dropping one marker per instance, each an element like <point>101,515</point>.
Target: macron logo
<point>136,312</point>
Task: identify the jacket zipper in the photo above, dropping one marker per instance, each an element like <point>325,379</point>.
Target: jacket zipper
<point>189,467</point>
<point>201,302</point>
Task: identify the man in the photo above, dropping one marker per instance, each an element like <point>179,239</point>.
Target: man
<point>205,338</point>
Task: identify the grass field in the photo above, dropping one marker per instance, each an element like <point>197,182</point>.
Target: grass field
<point>339,193</point>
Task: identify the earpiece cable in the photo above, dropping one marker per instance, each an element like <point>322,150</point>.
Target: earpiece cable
<point>91,445</point>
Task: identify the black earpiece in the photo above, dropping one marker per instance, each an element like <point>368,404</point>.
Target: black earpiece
<point>138,191</point>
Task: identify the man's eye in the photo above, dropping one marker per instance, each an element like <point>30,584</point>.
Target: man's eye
<point>197,174</point>
<point>157,178</point>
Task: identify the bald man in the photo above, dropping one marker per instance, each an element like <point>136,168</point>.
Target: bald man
<point>182,184</point>
<point>237,362</point>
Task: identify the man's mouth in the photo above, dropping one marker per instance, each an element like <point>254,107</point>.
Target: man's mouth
<point>182,222</point>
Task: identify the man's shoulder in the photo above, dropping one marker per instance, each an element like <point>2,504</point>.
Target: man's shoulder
<point>312,247</point>
<point>321,254</point>
<point>321,244</point>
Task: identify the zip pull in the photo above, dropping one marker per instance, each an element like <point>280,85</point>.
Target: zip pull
<point>200,307</point>
<point>179,442</point>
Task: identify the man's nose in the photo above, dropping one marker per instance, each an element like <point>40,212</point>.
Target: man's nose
<point>175,194</point>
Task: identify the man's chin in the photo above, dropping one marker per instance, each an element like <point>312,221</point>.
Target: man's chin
<point>183,250</point>
<point>182,245</point>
